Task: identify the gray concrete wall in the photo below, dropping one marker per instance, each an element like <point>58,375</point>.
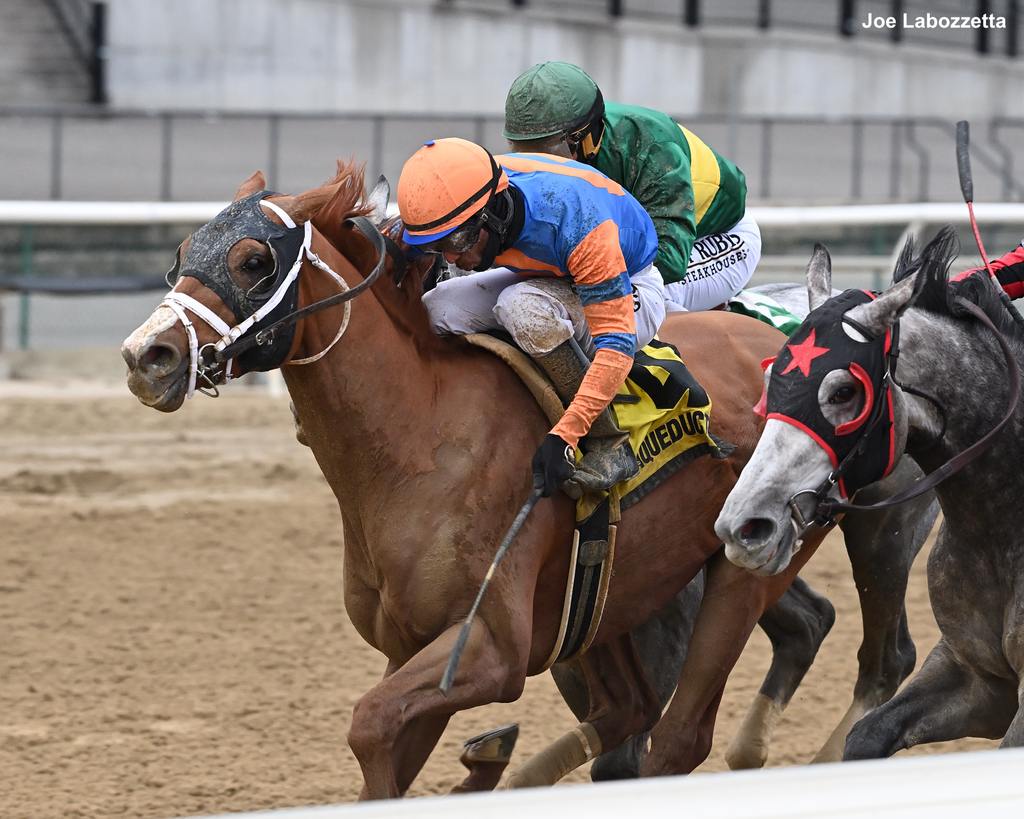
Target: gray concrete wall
<point>37,63</point>
<point>421,55</point>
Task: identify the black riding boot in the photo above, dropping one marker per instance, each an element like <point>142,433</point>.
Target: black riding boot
<point>608,458</point>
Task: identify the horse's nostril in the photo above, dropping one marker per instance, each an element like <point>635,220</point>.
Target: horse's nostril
<point>159,359</point>
<point>756,530</point>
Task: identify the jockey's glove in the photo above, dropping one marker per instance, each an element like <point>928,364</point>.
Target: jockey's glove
<point>553,464</point>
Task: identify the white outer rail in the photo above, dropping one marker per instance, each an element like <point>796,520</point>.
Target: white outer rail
<point>948,786</point>
<point>31,212</point>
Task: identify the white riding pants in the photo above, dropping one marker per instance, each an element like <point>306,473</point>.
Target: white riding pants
<point>539,313</point>
<point>720,266</point>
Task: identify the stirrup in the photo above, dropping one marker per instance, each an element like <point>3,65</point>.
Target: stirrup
<point>607,462</point>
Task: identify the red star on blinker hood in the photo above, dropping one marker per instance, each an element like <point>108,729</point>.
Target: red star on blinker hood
<point>803,354</point>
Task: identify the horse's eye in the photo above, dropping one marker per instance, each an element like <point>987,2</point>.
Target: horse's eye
<point>254,264</point>
<point>842,395</point>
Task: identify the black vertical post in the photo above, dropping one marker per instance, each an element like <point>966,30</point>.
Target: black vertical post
<point>847,11</point>
<point>691,12</point>
<point>377,156</point>
<point>615,8</point>
<point>896,167</point>
<point>166,156</point>
<point>896,33</point>
<point>764,14</point>
<point>519,3</point>
<point>857,160</point>
<point>98,57</point>
<point>1012,27</point>
<point>56,156</point>
<point>766,158</point>
<point>982,43</point>
<point>274,151</point>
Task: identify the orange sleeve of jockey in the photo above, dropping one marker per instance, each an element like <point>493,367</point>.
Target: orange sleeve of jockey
<point>599,276</point>
<point>606,374</point>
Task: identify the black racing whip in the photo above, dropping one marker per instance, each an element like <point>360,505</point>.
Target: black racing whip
<point>963,167</point>
<point>460,643</point>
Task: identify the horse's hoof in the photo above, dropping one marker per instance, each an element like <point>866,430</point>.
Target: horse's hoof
<point>486,756</point>
<point>491,746</point>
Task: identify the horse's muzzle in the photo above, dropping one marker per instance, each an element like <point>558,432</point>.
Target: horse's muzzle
<point>157,374</point>
<point>759,545</point>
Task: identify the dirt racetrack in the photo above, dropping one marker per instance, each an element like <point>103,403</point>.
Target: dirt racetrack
<point>172,635</point>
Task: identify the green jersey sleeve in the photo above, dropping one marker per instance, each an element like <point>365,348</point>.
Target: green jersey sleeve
<point>664,188</point>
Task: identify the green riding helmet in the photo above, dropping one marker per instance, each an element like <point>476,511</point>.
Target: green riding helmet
<point>556,98</point>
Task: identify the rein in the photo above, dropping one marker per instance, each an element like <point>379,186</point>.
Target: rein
<point>826,508</point>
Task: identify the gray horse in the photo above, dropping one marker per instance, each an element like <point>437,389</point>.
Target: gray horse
<point>955,391</point>
<point>881,547</point>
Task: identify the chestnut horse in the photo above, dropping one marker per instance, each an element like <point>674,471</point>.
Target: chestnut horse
<point>426,443</point>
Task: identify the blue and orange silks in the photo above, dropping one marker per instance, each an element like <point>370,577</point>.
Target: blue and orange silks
<point>581,224</point>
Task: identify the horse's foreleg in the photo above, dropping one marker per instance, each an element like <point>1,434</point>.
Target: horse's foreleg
<point>945,700</point>
<point>622,704</point>
<point>882,546</point>
<point>734,599</point>
<point>397,723</point>
<point>796,625</point>
<point>660,645</point>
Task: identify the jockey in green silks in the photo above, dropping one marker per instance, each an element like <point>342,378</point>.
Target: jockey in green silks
<point>708,246</point>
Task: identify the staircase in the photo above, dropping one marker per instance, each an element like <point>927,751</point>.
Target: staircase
<point>39,65</point>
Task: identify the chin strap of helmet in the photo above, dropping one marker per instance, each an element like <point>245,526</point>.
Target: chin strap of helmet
<point>498,217</point>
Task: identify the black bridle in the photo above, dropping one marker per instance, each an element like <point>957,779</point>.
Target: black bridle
<point>825,508</point>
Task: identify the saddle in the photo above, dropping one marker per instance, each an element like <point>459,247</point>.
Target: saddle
<point>666,415</point>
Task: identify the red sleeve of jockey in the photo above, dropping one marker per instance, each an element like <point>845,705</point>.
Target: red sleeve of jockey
<point>1009,270</point>
<point>598,271</point>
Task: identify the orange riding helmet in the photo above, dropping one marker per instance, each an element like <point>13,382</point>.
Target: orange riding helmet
<point>443,185</point>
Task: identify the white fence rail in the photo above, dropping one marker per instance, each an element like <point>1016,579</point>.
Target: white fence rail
<point>56,322</point>
<point>950,786</point>
<point>146,213</point>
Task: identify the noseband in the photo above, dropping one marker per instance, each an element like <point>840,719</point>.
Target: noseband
<point>826,508</point>
<point>257,347</point>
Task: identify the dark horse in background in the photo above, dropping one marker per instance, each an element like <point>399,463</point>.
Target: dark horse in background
<point>428,474</point>
<point>972,682</point>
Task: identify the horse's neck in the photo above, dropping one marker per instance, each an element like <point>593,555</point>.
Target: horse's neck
<point>965,372</point>
<point>370,392</point>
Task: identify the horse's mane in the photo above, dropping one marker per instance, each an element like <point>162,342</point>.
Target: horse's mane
<point>932,287</point>
<point>403,304</point>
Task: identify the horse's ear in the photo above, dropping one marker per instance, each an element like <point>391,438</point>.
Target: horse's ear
<point>256,182</point>
<point>378,200</point>
<point>819,277</point>
<point>881,313</point>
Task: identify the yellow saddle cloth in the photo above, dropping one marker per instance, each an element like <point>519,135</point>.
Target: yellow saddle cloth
<point>666,416</point>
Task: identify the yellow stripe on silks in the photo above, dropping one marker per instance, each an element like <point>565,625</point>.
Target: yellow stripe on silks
<point>705,175</point>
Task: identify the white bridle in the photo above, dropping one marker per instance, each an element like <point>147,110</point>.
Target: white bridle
<point>182,303</point>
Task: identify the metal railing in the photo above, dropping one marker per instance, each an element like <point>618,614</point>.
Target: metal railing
<point>847,18</point>
<point>91,153</point>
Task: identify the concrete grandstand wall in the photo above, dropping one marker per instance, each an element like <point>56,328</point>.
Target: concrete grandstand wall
<point>428,55</point>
